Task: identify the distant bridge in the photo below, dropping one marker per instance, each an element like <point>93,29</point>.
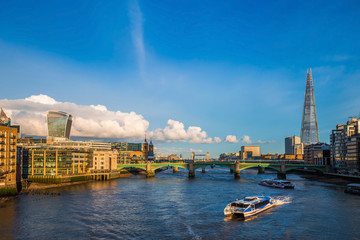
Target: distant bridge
<point>282,167</point>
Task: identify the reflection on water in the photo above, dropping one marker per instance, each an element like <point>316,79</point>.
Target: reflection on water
<point>170,206</point>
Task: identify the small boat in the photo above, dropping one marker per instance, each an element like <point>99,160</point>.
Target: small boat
<point>277,183</point>
<point>249,206</point>
<point>353,188</point>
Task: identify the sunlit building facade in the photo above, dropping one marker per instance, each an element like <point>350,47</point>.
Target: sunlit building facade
<point>293,145</point>
<point>8,156</point>
<point>105,160</point>
<point>59,126</point>
<point>55,162</point>
<point>345,145</point>
<point>249,152</point>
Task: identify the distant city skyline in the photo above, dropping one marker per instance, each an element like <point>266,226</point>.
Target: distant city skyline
<point>198,77</point>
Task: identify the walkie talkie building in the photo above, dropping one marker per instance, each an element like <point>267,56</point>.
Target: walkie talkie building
<point>59,125</point>
<point>309,125</point>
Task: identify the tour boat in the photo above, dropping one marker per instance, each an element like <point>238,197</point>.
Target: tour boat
<point>277,183</point>
<point>353,188</point>
<point>249,206</point>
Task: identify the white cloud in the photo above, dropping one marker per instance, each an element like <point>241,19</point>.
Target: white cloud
<point>99,107</point>
<point>175,131</point>
<point>90,121</point>
<point>41,98</point>
<point>196,150</point>
<point>246,139</point>
<point>231,139</point>
<point>96,121</point>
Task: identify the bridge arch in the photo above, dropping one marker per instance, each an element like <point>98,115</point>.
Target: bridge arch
<point>256,166</point>
<point>136,167</point>
<point>210,164</point>
<point>298,167</point>
<point>179,166</point>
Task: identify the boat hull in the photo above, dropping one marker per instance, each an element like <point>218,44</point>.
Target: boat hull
<point>231,211</point>
<point>277,186</point>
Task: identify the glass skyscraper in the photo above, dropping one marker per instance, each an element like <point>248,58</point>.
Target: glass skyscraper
<point>59,125</point>
<point>309,125</point>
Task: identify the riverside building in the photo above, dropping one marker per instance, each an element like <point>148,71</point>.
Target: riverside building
<point>105,160</point>
<point>55,162</point>
<point>345,145</point>
<point>8,154</point>
<point>317,153</point>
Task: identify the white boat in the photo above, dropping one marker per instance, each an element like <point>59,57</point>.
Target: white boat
<point>249,206</point>
<point>277,183</point>
<point>353,188</point>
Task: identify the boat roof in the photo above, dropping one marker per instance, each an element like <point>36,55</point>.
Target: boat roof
<point>253,199</point>
<point>277,180</point>
<point>354,185</point>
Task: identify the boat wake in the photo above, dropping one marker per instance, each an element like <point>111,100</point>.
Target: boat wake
<point>282,200</point>
<point>194,235</point>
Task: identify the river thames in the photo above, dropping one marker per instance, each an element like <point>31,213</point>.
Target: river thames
<point>171,206</point>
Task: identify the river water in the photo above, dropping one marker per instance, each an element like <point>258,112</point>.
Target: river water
<point>171,206</point>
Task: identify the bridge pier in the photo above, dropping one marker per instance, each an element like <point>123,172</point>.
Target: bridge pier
<point>191,170</point>
<point>231,171</point>
<point>237,170</point>
<point>175,169</point>
<point>203,169</point>
<point>282,173</point>
<point>261,170</point>
<point>149,171</point>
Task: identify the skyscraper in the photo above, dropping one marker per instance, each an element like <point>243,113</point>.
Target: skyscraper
<point>293,145</point>
<point>309,125</point>
<point>59,125</point>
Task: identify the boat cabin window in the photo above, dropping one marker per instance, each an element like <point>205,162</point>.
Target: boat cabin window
<point>260,204</point>
<point>239,205</point>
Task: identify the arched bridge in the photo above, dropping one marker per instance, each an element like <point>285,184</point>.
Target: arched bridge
<point>235,166</point>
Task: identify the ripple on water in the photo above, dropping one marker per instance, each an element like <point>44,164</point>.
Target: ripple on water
<point>171,206</point>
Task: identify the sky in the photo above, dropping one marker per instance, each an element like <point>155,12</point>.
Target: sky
<point>192,76</point>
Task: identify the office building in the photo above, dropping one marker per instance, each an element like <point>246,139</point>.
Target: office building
<point>309,125</point>
<point>249,152</point>
<point>125,146</point>
<point>317,153</point>
<point>345,145</point>
<point>105,160</point>
<point>293,145</point>
<point>8,156</point>
<point>59,126</point>
<point>4,120</point>
<point>54,162</point>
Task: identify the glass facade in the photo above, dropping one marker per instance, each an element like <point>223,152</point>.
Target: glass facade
<point>345,146</point>
<point>59,124</point>
<point>56,162</point>
<point>309,126</point>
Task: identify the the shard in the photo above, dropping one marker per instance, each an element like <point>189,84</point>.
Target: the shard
<point>309,125</point>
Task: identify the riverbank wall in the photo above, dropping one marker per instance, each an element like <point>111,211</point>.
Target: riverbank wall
<point>39,183</point>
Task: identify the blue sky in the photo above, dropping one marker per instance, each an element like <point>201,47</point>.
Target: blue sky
<point>236,68</point>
